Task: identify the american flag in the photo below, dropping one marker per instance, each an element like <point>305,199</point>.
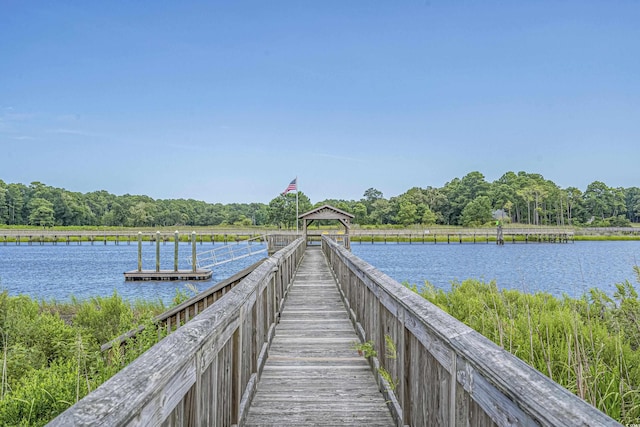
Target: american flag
<point>293,186</point>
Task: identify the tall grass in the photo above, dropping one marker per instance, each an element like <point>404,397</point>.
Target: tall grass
<point>50,351</point>
<point>590,345</point>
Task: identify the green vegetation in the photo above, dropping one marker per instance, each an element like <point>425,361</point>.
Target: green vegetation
<point>590,345</point>
<point>366,349</point>
<point>50,351</point>
<point>518,198</point>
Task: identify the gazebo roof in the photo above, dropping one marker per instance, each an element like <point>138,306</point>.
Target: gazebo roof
<point>327,212</point>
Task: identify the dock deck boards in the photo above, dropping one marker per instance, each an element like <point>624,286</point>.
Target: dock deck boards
<point>313,376</point>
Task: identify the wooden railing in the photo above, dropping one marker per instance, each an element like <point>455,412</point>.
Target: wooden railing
<point>124,236</point>
<point>475,235</point>
<point>280,240</point>
<point>205,373</point>
<point>172,319</point>
<point>434,370</point>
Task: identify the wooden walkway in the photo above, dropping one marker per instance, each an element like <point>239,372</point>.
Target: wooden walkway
<point>313,376</point>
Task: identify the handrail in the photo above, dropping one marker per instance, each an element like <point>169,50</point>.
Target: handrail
<point>228,253</point>
<point>446,373</point>
<point>205,373</point>
<point>460,231</point>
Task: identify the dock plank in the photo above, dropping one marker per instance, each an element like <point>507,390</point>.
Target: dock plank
<point>313,375</point>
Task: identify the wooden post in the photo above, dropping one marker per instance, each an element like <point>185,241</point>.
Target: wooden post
<point>139,250</point>
<point>157,251</point>
<point>175,252</point>
<point>193,250</point>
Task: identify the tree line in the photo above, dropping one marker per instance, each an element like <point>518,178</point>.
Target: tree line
<point>524,198</point>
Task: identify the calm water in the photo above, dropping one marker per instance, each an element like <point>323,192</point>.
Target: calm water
<point>569,268</point>
<point>57,272</point>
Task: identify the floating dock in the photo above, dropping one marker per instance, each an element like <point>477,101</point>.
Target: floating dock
<point>195,273</point>
<point>201,263</point>
<point>162,275</point>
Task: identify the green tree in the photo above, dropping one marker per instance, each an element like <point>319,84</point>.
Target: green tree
<point>477,212</point>
<point>4,208</point>
<point>462,191</point>
<point>381,212</point>
<point>371,195</point>
<point>15,203</point>
<point>602,202</point>
<point>277,214</point>
<point>597,199</point>
<point>360,212</point>
<point>407,214</point>
<point>503,196</point>
<point>42,213</point>
<point>428,216</point>
<point>141,214</point>
<point>282,209</point>
<point>573,197</point>
<point>632,202</point>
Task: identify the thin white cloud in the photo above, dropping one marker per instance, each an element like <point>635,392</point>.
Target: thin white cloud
<point>9,118</point>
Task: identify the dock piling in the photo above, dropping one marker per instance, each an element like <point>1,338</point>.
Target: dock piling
<point>193,251</point>
<point>175,252</point>
<point>157,251</point>
<point>139,251</point>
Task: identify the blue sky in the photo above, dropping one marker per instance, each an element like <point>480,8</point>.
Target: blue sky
<point>228,101</point>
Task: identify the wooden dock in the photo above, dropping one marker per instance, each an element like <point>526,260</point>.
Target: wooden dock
<point>277,349</point>
<point>313,375</point>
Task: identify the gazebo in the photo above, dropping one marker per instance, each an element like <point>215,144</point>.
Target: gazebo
<point>330,213</point>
